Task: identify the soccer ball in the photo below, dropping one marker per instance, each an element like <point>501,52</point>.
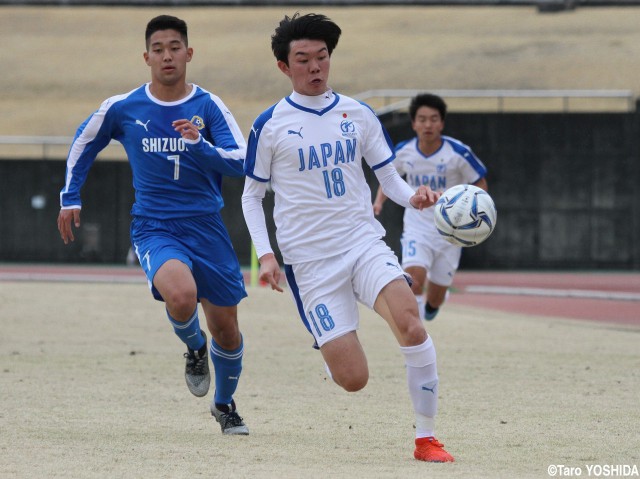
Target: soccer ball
<point>465,215</point>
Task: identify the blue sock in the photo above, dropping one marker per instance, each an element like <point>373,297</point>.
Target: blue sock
<point>227,366</point>
<point>189,332</point>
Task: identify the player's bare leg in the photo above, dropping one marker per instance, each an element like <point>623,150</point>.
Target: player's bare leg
<point>175,283</point>
<point>419,278</point>
<point>226,355</point>
<point>396,305</point>
<point>346,361</point>
<point>177,287</point>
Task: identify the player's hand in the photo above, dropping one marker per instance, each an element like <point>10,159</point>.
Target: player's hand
<point>424,198</point>
<point>270,271</point>
<point>377,208</point>
<point>187,130</point>
<point>65,218</point>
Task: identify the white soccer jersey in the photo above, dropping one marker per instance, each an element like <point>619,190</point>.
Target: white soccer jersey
<point>311,149</point>
<point>453,164</point>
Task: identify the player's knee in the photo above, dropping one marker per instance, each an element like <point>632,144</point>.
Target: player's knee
<point>354,383</point>
<point>181,304</point>
<point>351,378</point>
<point>413,332</point>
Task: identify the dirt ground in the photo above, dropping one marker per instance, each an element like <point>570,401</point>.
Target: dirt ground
<point>92,386</point>
<point>59,64</point>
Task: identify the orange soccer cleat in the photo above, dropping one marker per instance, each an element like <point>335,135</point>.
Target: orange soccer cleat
<point>430,450</point>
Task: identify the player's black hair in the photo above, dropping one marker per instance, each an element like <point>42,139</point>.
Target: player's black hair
<point>166,22</point>
<point>430,100</point>
<point>306,27</point>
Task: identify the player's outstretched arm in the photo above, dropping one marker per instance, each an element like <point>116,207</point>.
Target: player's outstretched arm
<point>270,271</point>
<point>394,187</point>
<point>65,218</point>
<point>424,197</point>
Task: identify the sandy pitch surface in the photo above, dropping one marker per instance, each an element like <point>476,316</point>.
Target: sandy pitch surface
<point>92,386</point>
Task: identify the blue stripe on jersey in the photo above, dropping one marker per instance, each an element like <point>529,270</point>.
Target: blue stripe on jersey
<point>83,153</point>
<point>295,291</point>
<point>252,145</point>
<point>386,137</point>
<point>310,110</point>
<point>401,145</point>
<point>465,152</point>
<point>380,165</point>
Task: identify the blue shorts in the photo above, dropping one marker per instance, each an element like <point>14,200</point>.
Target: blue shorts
<point>202,243</point>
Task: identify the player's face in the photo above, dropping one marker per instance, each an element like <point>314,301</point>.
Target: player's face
<point>428,124</point>
<point>308,67</point>
<point>168,57</point>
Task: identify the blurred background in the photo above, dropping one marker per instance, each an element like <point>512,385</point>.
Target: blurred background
<point>545,93</point>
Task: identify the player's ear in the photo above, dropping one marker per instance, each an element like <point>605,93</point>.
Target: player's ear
<point>189,54</point>
<point>284,68</point>
<point>145,55</point>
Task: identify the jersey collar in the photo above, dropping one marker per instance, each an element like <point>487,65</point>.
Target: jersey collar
<point>319,104</point>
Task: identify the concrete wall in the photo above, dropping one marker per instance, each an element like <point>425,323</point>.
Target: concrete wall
<point>565,185</point>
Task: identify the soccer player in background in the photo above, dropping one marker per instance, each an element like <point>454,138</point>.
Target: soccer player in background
<point>310,147</point>
<point>180,141</point>
<point>439,162</point>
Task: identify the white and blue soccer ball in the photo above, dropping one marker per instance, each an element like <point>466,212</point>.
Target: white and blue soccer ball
<point>465,215</point>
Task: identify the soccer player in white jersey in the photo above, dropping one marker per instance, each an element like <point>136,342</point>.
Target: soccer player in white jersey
<point>180,141</point>
<point>439,162</point>
<point>310,147</point>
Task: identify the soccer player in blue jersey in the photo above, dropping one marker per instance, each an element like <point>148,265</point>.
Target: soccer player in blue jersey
<point>440,162</point>
<point>310,147</point>
<point>180,141</point>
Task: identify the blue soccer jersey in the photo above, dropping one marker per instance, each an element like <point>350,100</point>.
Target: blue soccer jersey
<point>172,177</point>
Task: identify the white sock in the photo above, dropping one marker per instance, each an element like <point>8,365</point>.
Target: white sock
<point>422,378</point>
<point>326,368</point>
<point>421,300</point>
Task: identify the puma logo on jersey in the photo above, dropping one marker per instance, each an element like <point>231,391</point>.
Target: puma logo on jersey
<point>143,125</point>
<point>425,388</point>
<point>293,132</point>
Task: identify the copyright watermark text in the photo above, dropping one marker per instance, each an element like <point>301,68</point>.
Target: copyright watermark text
<point>593,470</point>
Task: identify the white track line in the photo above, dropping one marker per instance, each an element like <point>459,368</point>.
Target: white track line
<point>72,277</point>
<point>558,293</point>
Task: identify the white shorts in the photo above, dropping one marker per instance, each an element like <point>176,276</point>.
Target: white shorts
<point>327,291</point>
<point>441,259</point>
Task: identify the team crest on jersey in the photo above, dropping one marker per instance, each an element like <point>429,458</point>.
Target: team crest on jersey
<point>198,122</point>
<point>348,128</point>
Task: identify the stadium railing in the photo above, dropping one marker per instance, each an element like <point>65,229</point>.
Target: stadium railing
<point>385,101</point>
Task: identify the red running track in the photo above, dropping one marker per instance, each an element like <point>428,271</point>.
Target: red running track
<point>606,297</point>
